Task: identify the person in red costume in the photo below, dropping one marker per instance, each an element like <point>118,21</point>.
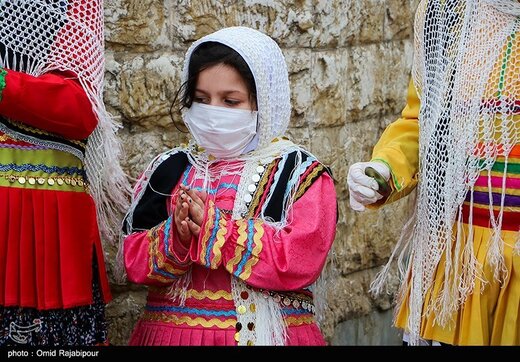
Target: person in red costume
<point>53,283</point>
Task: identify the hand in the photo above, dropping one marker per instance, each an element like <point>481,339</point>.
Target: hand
<point>181,219</point>
<point>362,188</point>
<point>196,202</point>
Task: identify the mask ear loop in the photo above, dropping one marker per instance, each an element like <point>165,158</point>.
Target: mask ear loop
<point>157,192</point>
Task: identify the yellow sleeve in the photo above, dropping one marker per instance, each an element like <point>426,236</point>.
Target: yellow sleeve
<point>398,148</point>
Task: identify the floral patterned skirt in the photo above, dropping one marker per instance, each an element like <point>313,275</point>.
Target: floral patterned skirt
<point>80,326</point>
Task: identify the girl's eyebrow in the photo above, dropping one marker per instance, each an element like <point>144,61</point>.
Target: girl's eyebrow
<point>231,91</point>
<point>224,92</point>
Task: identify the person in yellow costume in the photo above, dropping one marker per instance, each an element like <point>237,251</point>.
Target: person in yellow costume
<point>457,144</point>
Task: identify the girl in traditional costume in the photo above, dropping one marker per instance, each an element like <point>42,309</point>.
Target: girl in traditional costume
<point>231,231</point>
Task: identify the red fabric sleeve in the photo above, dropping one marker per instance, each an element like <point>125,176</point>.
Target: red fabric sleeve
<point>253,251</point>
<point>51,102</point>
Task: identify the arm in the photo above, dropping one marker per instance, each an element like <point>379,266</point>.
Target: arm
<point>53,102</point>
<point>252,250</point>
<point>153,253</point>
<point>155,256</point>
<point>398,148</point>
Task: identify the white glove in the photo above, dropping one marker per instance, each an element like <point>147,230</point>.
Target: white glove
<point>362,188</point>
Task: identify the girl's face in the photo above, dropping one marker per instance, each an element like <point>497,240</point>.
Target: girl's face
<point>222,86</point>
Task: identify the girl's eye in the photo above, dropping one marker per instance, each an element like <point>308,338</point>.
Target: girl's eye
<point>200,100</point>
<point>232,102</point>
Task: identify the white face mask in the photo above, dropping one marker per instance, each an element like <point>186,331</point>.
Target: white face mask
<point>222,132</point>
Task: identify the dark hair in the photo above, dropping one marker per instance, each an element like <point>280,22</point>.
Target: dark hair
<point>205,56</point>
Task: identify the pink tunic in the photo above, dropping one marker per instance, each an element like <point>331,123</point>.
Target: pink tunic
<point>282,266</point>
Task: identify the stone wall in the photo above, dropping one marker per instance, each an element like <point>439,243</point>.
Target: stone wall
<point>349,63</point>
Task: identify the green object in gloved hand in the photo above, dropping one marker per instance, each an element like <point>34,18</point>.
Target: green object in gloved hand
<point>384,187</point>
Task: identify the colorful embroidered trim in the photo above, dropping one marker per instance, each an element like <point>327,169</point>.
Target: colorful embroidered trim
<point>43,168</point>
<point>38,131</point>
<point>20,147</point>
<point>314,172</point>
<point>185,175</point>
<point>251,257</point>
<point>215,231</point>
<point>221,238</point>
<point>213,236</point>
<point>194,294</point>
<point>159,269</point>
<point>298,321</point>
<point>190,310</point>
<point>242,236</point>
<point>260,195</point>
<point>52,143</point>
<point>276,177</point>
<point>167,235</point>
<point>208,231</point>
<point>199,295</point>
<point>192,322</point>
<point>248,247</point>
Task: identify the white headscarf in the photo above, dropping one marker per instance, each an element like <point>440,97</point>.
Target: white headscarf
<point>267,64</point>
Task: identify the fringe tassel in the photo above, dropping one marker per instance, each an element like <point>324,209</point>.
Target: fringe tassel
<point>446,303</point>
<point>178,291</point>
<point>471,268</point>
<point>416,301</point>
<point>271,329</point>
<point>401,252</point>
<point>495,255</point>
<point>109,184</point>
<point>322,285</point>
